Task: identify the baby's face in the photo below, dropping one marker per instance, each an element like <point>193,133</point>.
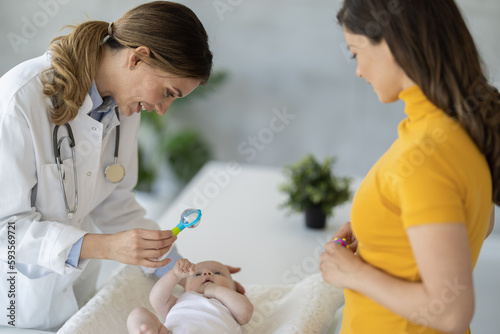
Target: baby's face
<point>209,272</point>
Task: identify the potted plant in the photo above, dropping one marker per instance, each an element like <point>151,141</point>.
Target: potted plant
<point>313,188</point>
<point>187,152</point>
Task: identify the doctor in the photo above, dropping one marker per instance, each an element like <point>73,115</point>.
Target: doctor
<point>87,94</point>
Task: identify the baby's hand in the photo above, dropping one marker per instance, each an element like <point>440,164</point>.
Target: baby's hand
<point>183,269</point>
<point>209,290</point>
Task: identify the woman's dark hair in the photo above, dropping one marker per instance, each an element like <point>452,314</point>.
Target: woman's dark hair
<point>176,38</point>
<point>430,40</point>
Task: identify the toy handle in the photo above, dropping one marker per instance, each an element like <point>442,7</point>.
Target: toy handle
<point>176,230</point>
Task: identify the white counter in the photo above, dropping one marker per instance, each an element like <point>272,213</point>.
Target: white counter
<point>242,225</point>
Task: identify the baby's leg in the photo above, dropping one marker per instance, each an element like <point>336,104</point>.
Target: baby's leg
<point>141,321</point>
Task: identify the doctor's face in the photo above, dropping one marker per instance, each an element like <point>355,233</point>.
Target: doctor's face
<point>146,88</point>
<point>378,67</point>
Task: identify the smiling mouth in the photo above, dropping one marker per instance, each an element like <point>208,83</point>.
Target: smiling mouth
<point>208,280</point>
<point>143,108</point>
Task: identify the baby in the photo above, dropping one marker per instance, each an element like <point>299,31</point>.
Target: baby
<point>209,305</point>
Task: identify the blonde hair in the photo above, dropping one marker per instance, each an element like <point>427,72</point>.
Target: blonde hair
<point>176,38</point>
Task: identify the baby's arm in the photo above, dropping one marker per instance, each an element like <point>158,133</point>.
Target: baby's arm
<point>240,307</point>
<point>161,295</point>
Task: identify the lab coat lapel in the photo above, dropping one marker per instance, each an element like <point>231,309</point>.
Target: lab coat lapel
<point>88,145</point>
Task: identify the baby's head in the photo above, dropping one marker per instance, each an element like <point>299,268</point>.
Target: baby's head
<point>209,271</point>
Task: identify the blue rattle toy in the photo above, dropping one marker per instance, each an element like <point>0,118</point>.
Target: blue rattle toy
<point>189,218</point>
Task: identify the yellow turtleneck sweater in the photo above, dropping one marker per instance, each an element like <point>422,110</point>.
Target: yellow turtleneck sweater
<point>433,173</point>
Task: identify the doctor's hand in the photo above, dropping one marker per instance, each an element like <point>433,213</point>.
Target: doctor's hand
<point>346,232</point>
<point>135,247</point>
<point>339,266</point>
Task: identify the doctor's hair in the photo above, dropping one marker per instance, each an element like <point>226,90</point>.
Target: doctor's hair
<point>430,41</point>
<point>176,38</point>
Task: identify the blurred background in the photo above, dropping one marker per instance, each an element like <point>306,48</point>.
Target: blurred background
<point>285,86</point>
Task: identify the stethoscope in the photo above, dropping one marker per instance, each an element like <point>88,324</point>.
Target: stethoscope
<point>114,172</point>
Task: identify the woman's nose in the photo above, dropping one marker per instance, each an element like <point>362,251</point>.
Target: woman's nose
<point>162,108</point>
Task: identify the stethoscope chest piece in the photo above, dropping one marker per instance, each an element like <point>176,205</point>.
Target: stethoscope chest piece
<point>115,172</point>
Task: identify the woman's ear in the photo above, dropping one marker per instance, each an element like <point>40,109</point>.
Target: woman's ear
<point>137,55</point>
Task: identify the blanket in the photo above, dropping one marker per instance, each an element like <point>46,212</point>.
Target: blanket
<point>307,307</point>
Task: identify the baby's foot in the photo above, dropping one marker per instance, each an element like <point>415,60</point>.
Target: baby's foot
<point>146,330</point>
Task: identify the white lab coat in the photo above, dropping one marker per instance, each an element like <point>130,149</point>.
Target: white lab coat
<point>31,197</point>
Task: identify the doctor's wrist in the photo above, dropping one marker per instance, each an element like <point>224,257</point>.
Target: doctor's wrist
<point>95,246</point>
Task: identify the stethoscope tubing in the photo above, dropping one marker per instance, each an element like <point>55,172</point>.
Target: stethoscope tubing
<point>117,137</point>
<point>57,144</point>
<point>57,155</point>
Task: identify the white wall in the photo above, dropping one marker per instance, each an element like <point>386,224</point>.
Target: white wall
<point>280,55</point>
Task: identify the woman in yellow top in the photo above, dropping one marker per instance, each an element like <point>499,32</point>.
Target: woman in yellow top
<point>420,216</point>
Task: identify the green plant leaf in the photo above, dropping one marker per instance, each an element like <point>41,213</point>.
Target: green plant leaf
<point>310,183</point>
<point>186,152</point>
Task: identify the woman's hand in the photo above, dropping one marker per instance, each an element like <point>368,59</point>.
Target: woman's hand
<point>339,265</point>
<point>239,287</point>
<point>346,232</point>
<point>136,247</point>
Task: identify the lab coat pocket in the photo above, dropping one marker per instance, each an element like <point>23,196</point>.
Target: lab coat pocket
<point>43,302</point>
<point>30,298</point>
<point>50,200</point>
